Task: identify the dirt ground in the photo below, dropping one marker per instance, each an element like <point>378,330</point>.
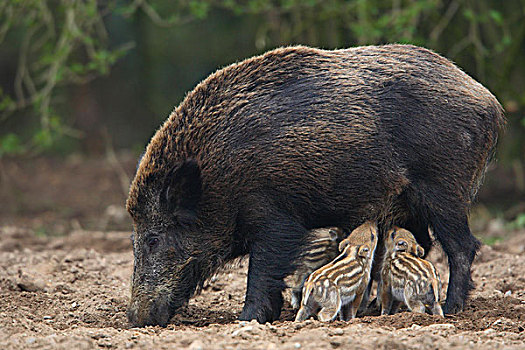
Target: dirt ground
<point>66,262</point>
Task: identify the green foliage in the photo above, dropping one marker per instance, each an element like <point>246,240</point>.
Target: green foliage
<point>490,241</point>
<point>61,42</point>
<point>518,223</point>
<point>10,145</point>
<point>64,42</point>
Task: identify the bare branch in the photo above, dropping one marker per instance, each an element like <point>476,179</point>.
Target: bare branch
<point>445,20</point>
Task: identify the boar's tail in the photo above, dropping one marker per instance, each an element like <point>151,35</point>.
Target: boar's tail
<point>495,113</point>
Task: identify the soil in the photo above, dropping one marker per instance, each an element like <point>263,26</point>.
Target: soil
<point>66,262</point>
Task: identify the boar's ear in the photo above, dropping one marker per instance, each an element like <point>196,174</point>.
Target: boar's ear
<point>182,191</point>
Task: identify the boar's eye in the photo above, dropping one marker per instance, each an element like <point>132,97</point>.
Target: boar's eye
<point>152,241</point>
<point>402,243</point>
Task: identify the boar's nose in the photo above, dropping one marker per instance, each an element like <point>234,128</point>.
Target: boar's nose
<point>157,312</point>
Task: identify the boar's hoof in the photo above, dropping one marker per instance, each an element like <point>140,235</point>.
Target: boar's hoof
<point>260,312</point>
<point>452,307</point>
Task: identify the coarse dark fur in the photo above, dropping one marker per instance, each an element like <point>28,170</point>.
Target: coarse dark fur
<point>264,150</point>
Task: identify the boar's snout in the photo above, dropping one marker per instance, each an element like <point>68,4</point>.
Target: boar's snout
<point>155,303</point>
<point>156,312</point>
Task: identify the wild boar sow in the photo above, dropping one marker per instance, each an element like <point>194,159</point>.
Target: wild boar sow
<point>264,150</point>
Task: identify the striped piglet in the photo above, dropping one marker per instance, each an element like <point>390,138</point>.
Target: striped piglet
<point>338,287</point>
<point>406,277</point>
<point>322,249</point>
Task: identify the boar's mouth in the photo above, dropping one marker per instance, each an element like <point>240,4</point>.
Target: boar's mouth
<point>157,307</point>
<point>159,312</point>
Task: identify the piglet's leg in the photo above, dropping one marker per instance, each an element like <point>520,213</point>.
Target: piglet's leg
<point>331,307</point>
<point>412,302</point>
<point>437,310</point>
<point>394,307</point>
<point>302,314</point>
<point>385,298</point>
<point>366,296</point>
<point>354,306</point>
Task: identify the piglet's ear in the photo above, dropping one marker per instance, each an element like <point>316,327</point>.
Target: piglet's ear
<point>344,243</point>
<point>182,191</point>
<point>333,234</point>
<point>393,233</point>
<point>420,251</point>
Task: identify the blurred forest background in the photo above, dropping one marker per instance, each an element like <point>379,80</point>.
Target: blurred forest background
<point>97,77</point>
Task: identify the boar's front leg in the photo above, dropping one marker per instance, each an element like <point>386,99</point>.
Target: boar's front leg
<point>273,249</point>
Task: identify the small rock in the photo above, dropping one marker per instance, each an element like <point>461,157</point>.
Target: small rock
<point>104,343</point>
<point>335,343</point>
<point>48,317</point>
<point>337,331</point>
<point>30,340</point>
<point>297,345</point>
<point>415,327</point>
<point>245,329</point>
<point>28,284</point>
<point>497,322</point>
<point>508,293</point>
<point>440,327</point>
<point>196,345</point>
<point>98,336</point>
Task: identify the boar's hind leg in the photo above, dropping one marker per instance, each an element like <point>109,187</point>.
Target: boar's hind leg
<point>273,250</point>
<point>453,232</point>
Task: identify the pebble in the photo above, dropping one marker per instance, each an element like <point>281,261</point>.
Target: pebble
<point>103,343</point>
<point>440,327</point>
<point>338,331</point>
<point>297,345</point>
<point>245,329</point>
<point>508,293</point>
<point>31,285</point>
<point>48,317</point>
<point>196,345</point>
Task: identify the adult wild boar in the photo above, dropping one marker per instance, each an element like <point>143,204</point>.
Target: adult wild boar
<point>264,150</point>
